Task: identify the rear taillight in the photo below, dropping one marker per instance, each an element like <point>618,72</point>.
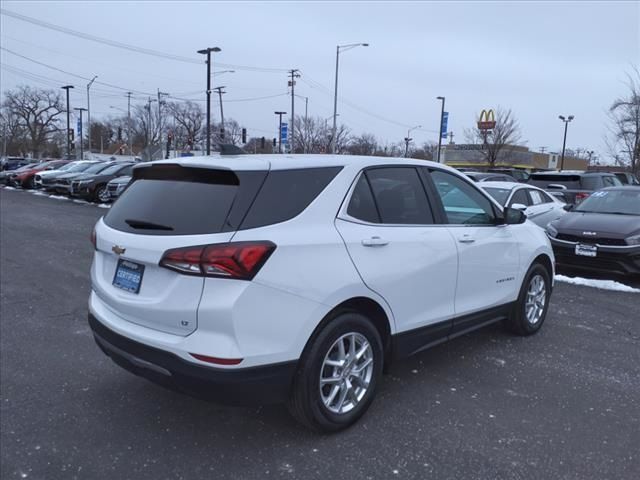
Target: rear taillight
<point>580,197</point>
<point>239,260</point>
<point>93,238</point>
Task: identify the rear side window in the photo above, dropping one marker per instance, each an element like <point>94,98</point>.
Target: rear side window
<point>520,197</point>
<point>286,193</point>
<point>362,205</point>
<point>175,200</point>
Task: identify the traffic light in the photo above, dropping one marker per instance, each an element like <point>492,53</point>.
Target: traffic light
<point>274,143</point>
<point>70,133</point>
<point>244,135</point>
<point>262,142</point>
<point>119,133</point>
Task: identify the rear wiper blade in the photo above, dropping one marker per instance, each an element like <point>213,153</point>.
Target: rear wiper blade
<point>146,225</point>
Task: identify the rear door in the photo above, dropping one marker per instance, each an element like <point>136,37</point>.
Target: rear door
<point>542,210</point>
<point>165,207</point>
<point>390,233</point>
<point>488,254</point>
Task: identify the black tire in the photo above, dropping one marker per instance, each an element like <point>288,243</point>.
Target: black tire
<point>29,184</point>
<point>518,322</point>
<point>306,403</point>
<point>97,192</point>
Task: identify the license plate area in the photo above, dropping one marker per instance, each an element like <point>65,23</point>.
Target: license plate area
<point>586,250</point>
<point>128,276</point>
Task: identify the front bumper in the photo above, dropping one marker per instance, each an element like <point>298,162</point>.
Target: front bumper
<point>622,260</point>
<point>239,386</point>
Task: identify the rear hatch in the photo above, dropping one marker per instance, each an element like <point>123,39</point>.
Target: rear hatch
<point>166,207</point>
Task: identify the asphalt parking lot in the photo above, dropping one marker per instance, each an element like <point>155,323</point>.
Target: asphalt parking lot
<point>562,404</point>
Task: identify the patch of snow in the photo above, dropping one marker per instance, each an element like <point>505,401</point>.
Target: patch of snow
<point>58,197</point>
<point>40,194</point>
<point>602,284</point>
<point>9,188</point>
<point>83,202</point>
<point>104,205</point>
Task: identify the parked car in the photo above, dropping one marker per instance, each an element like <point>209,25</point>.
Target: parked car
<point>93,186</point>
<point>49,182</point>
<point>601,234</point>
<point>62,183</point>
<point>540,207</point>
<point>12,163</point>
<point>627,178</point>
<point>574,186</point>
<point>489,177</point>
<point>297,278</point>
<point>38,178</point>
<point>5,176</point>
<point>116,186</point>
<point>25,178</point>
<point>519,174</point>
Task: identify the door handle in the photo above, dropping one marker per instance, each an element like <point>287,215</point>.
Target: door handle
<point>374,242</point>
<point>466,239</point>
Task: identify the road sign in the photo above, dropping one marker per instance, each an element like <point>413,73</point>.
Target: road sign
<point>79,129</point>
<point>445,121</point>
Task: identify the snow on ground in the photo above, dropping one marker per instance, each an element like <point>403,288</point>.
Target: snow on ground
<point>9,188</point>
<point>58,197</point>
<point>104,205</point>
<point>83,202</point>
<point>40,194</point>
<point>602,284</point>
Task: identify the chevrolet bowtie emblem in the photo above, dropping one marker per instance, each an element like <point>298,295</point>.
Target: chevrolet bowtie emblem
<point>118,250</point>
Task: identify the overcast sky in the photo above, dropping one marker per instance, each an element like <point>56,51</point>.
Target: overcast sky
<point>540,59</point>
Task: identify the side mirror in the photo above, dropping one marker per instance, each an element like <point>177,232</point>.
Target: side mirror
<point>513,216</point>
<point>568,207</point>
<point>519,206</point>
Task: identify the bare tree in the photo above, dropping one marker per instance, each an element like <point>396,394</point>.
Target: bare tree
<point>188,118</point>
<point>498,142</point>
<point>365,144</point>
<point>623,141</point>
<point>313,135</point>
<point>35,114</point>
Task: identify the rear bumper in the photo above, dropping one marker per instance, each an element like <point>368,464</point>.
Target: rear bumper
<point>609,259</point>
<point>239,386</point>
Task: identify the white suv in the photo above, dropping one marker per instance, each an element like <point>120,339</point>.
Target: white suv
<point>271,278</point>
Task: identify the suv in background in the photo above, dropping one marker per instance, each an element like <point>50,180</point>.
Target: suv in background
<point>520,175</point>
<point>627,178</point>
<point>574,186</point>
<point>297,278</point>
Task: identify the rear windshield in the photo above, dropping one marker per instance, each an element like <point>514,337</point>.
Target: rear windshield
<point>175,200</point>
<point>572,182</point>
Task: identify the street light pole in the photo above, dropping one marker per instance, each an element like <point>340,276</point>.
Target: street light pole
<point>207,52</point>
<point>564,141</point>
<point>408,139</point>
<point>89,114</point>
<point>280,130</point>
<point>80,109</point>
<point>67,87</point>
<point>335,93</point>
<point>440,132</point>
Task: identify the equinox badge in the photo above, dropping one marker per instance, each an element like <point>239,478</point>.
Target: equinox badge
<point>118,250</point>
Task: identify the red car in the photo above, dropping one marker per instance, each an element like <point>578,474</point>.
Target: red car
<point>25,178</point>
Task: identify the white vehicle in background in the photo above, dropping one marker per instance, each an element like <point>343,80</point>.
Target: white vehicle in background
<point>539,207</point>
<point>40,177</point>
<point>296,278</point>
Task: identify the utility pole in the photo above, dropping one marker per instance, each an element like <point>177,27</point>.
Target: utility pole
<point>80,109</point>
<point>294,74</point>
<point>542,149</point>
<point>129,139</point>
<point>408,139</point>
<point>160,102</point>
<point>451,135</point>
<point>280,130</point>
<point>89,114</point>
<point>564,142</point>
<point>67,87</point>
<point>149,138</point>
<point>441,122</point>
<point>220,93</point>
<point>207,52</point>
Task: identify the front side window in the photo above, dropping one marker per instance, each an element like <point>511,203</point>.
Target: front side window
<point>463,204</point>
<point>399,196</point>
<point>520,197</point>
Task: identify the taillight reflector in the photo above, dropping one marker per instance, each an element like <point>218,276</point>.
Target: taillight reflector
<point>219,361</point>
<point>239,260</point>
<point>581,196</point>
<point>93,238</point>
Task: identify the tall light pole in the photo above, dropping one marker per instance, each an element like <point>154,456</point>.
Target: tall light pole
<point>440,133</point>
<point>335,94</point>
<point>564,142</point>
<point>207,52</point>
<point>129,139</point>
<point>148,132</point>
<point>280,130</point>
<point>408,139</point>
<point>67,87</point>
<point>81,109</point>
<point>294,74</point>
<point>220,93</point>
<point>89,114</point>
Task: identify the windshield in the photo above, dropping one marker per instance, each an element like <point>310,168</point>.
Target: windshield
<point>500,194</point>
<point>623,202</point>
<point>97,167</point>
<point>113,169</point>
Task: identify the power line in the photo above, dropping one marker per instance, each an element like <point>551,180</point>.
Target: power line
<point>132,48</point>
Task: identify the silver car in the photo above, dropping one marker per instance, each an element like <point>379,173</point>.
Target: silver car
<point>116,186</point>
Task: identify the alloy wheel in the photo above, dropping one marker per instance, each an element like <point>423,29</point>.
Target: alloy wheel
<point>536,300</point>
